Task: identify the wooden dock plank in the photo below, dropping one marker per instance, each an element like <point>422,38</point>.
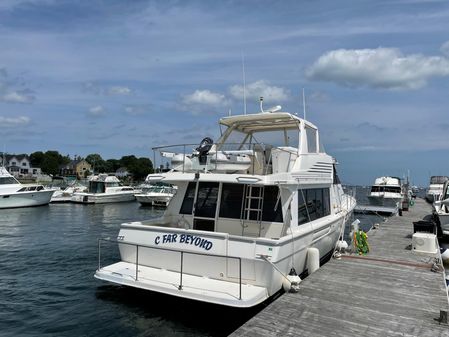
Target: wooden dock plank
<point>391,292</point>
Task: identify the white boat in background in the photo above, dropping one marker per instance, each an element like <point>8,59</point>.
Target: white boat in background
<point>66,194</point>
<point>435,188</point>
<point>102,189</point>
<point>158,194</point>
<point>441,209</point>
<point>235,233</point>
<point>386,195</point>
<point>13,194</point>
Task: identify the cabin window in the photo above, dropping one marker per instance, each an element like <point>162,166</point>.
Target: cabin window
<point>231,201</point>
<point>272,206</point>
<point>313,203</point>
<point>7,181</point>
<point>189,197</point>
<point>96,187</point>
<point>311,140</point>
<point>206,201</point>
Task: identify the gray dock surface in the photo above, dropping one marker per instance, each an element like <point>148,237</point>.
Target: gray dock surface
<point>390,292</point>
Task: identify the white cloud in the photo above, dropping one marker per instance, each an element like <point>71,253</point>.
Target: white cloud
<point>118,91</point>
<point>97,111</point>
<point>17,97</point>
<point>137,109</point>
<point>260,88</point>
<point>205,97</point>
<point>445,48</point>
<point>378,68</point>
<point>13,122</point>
<point>97,89</point>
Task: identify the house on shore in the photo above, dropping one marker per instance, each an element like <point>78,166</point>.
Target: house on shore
<point>19,165</point>
<point>79,168</point>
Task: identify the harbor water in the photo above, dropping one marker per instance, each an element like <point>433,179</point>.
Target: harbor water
<point>49,255</point>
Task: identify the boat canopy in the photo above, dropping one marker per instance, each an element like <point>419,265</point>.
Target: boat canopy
<point>264,122</point>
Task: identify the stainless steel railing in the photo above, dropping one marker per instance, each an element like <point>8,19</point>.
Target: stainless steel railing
<point>182,253</point>
<point>223,147</point>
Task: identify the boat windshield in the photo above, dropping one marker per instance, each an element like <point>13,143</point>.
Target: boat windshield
<point>391,189</point>
<point>238,140</point>
<point>438,179</point>
<point>8,181</point>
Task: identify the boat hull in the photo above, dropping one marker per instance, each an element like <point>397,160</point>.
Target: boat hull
<point>207,273</point>
<point>393,203</point>
<point>154,200</point>
<point>102,198</point>
<point>25,199</point>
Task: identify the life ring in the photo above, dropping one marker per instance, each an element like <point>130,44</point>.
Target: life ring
<point>361,242</point>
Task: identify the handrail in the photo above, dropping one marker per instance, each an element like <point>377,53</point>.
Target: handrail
<point>180,286</point>
<point>213,166</point>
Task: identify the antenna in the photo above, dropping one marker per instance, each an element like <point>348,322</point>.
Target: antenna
<point>304,103</point>
<point>244,84</point>
<point>3,161</point>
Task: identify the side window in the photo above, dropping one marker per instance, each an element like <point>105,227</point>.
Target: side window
<point>311,140</point>
<point>326,202</point>
<point>187,203</point>
<point>231,201</point>
<point>303,217</point>
<point>313,204</point>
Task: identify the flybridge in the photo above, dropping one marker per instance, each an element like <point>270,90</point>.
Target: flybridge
<point>257,144</point>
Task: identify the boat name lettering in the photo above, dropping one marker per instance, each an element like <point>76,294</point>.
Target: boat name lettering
<point>184,238</point>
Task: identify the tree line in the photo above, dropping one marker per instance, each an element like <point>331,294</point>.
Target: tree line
<point>51,161</point>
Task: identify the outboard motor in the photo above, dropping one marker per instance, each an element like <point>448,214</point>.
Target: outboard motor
<point>203,149</point>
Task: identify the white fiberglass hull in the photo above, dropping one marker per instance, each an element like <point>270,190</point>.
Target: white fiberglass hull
<point>25,199</point>
<point>154,199</point>
<point>102,198</point>
<point>208,273</point>
<point>389,203</point>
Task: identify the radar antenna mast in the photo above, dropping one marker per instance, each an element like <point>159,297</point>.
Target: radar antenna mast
<point>304,103</point>
<point>244,84</point>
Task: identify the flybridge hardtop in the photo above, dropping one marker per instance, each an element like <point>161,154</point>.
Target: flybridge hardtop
<point>261,201</point>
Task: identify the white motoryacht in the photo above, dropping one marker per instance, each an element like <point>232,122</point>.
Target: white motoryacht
<point>14,194</point>
<point>104,188</point>
<point>441,209</point>
<point>435,188</point>
<point>386,193</point>
<point>158,194</point>
<point>261,204</point>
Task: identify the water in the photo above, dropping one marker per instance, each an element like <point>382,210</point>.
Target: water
<point>48,258</point>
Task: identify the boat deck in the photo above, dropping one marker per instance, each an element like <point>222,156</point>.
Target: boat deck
<point>389,292</point>
<point>367,209</point>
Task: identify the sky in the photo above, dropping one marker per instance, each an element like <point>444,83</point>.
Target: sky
<point>120,77</point>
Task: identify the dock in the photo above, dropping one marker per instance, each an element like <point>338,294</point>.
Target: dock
<point>389,292</point>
